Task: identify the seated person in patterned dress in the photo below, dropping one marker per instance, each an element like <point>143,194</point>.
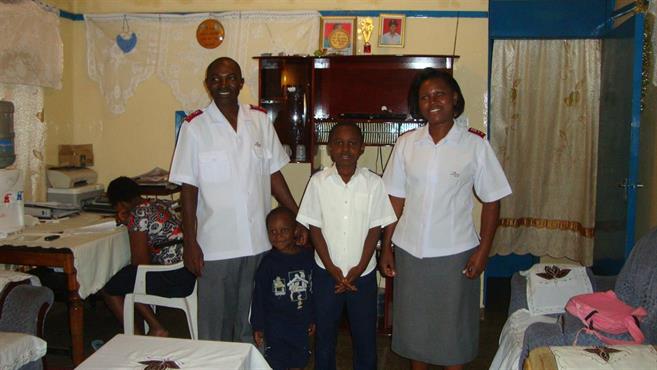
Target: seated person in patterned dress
<point>155,238</point>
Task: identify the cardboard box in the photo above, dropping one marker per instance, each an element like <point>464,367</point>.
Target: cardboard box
<point>76,155</point>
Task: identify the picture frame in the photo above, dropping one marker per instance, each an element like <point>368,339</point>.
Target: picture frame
<point>338,35</point>
<point>392,30</point>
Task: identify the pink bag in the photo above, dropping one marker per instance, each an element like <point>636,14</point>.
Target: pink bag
<point>604,312</point>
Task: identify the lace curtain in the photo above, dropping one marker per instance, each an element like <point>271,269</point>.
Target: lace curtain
<point>31,49</point>
<point>117,73</point>
<point>30,136</point>
<point>166,44</point>
<point>544,127</point>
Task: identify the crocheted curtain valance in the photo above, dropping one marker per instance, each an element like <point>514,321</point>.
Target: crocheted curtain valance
<point>31,49</point>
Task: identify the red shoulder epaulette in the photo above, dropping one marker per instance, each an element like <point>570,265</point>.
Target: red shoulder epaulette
<point>481,134</point>
<point>191,116</point>
<point>255,107</point>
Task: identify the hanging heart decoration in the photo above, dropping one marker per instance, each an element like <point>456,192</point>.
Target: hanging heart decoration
<point>126,40</point>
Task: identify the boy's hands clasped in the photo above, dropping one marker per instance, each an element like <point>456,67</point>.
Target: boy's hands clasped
<point>345,283</point>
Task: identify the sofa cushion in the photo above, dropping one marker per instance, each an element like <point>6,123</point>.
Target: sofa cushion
<point>17,349</point>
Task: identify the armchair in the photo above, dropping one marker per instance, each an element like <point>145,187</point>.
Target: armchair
<point>23,309</point>
<point>636,285</point>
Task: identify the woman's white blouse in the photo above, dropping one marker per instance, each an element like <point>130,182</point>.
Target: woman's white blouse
<point>436,181</point>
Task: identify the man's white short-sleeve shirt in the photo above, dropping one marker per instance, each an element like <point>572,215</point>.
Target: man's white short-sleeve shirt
<point>231,170</point>
<point>436,181</point>
<point>345,213</point>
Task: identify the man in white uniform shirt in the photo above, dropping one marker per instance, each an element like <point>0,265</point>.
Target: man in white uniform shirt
<point>228,160</point>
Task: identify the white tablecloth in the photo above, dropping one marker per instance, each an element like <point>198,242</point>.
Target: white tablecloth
<point>100,249</point>
<point>8,276</point>
<point>126,352</point>
<point>508,353</point>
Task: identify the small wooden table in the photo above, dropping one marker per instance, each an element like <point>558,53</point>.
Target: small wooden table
<point>99,253</point>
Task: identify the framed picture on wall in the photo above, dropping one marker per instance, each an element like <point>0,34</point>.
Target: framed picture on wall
<point>337,35</point>
<point>392,30</point>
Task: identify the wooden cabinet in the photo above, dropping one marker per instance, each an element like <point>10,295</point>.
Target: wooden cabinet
<point>306,96</point>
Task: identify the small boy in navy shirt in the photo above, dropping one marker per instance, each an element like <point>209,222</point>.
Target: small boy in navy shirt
<point>282,312</point>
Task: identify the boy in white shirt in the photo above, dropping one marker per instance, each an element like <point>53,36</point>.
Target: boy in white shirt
<point>345,208</point>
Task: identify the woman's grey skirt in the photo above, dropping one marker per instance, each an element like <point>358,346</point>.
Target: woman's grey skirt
<point>435,309</point>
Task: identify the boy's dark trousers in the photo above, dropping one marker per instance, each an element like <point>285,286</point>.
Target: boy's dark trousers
<point>361,311</point>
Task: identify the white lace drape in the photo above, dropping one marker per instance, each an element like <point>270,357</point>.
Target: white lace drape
<point>117,73</point>
<point>30,136</point>
<point>545,98</point>
<point>31,49</point>
<point>179,60</point>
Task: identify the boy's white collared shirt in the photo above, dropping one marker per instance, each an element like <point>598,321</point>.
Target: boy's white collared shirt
<point>436,181</point>
<point>345,213</point>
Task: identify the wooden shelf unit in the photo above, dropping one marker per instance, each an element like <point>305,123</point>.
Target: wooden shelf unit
<point>370,90</point>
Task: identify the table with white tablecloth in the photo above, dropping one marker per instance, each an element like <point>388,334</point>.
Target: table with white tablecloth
<point>89,248</point>
<point>134,351</point>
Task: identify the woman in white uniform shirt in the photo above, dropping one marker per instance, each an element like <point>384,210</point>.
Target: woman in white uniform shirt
<point>438,255</point>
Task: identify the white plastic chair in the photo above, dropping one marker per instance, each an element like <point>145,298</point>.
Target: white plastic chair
<point>187,304</point>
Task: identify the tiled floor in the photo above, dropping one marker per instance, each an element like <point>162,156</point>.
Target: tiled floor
<point>100,324</point>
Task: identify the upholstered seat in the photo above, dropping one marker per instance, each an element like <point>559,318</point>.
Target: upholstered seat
<point>23,309</point>
<point>636,285</point>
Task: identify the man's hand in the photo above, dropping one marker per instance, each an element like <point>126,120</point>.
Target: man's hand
<point>387,262</point>
<point>193,257</point>
<point>258,337</point>
<point>311,329</point>
<point>301,235</point>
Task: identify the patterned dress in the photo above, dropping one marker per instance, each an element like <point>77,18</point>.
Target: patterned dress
<point>162,225</point>
<point>163,229</point>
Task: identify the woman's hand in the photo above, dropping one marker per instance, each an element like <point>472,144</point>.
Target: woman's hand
<point>476,264</point>
<point>387,262</point>
<point>311,329</point>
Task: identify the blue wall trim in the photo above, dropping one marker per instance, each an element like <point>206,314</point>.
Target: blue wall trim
<point>511,19</point>
<point>71,16</point>
<point>353,13</point>
<point>408,13</point>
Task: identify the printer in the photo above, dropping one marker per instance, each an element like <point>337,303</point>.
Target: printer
<point>73,185</point>
<point>70,177</point>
